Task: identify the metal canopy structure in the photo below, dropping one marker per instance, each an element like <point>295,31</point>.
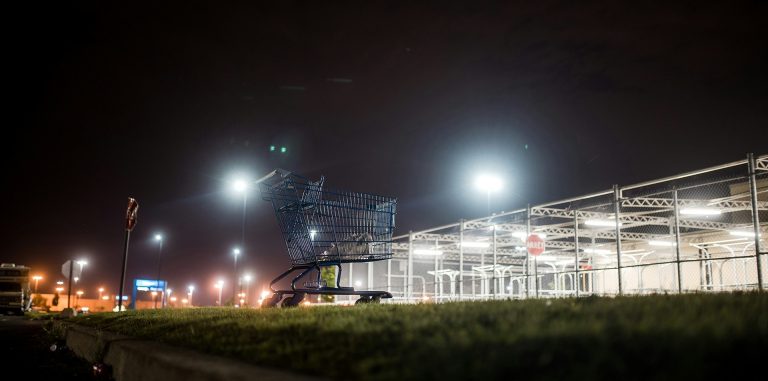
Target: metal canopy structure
<point>700,231</point>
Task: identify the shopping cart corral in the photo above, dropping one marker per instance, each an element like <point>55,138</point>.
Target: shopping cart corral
<point>323,227</point>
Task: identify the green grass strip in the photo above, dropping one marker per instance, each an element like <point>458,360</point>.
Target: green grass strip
<point>698,336</point>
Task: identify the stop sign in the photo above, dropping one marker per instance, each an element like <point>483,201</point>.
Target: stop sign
<point>535,244</point>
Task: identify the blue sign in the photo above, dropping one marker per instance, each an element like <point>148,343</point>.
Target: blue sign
<point>149,283</point>
<point>146,285</point>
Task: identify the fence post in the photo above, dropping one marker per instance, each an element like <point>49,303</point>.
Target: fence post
<point>409,283</point>
<point>461,259</point>
<point>437,261</point>
<point>527,255</point>
<point>755,218</point>
<point>576,280</point>
<point>616,207</point>
<point>493,277</point>
<point>389,276</point>
<point>677,242</point>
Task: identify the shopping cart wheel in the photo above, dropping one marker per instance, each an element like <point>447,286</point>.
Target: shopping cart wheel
<point>271,301</point>
<point>363,300</point>
<point>293,301</point>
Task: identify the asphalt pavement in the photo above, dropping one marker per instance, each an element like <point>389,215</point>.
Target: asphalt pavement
<point>25,352</point>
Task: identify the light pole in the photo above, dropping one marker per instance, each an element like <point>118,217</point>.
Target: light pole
<point>219,285</point>
<point>240,186</point>
<point>37,278</point>
<point>488,184</point>
<point>236,253</point>
<point>101,290</point>
<point>79,294</point>
<point>247,279</point>
<point>154,298</point>
<point>71,277</point>
<point>191,289</point>
<point>159,239</point>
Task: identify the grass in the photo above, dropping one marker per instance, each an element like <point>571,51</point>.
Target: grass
<point>651,337</point>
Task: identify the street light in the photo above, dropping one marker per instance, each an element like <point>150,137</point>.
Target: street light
<point>37,278</point>
<point>219,285</point>
<point>101,289</point>
<point>191,289</point>
<point>488,184</point>
<point>159,239</point>
<point>79,294</point>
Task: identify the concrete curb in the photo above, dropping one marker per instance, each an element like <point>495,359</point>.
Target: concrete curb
<point>134,359</point>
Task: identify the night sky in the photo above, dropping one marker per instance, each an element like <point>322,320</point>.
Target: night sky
<point>164,103</point>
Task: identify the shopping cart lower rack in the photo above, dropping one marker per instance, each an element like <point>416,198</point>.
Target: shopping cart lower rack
<point>323,227</point>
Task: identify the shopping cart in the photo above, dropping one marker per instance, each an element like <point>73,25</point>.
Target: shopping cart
<point>323,227</point>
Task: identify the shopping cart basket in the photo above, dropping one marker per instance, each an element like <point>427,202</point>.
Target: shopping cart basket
<point>323,227</point>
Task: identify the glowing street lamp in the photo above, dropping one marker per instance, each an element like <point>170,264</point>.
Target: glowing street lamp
<point>79,294</point>
<point>240,185</point>
<point>488,184</point>
<point>37,278</point>
<point>101,290</point>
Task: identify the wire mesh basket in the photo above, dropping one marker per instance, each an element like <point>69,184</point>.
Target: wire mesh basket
<point>328,227</point>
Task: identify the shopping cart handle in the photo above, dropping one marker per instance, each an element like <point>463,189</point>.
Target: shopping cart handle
<point>281,172</point>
